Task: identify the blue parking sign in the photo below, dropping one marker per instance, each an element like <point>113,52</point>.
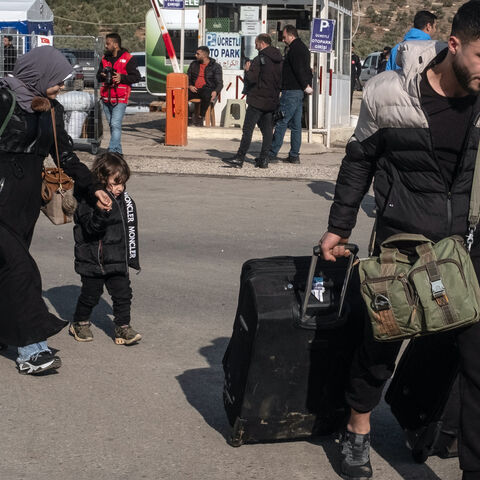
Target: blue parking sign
<point>173,4</point>
<point>321,36</point>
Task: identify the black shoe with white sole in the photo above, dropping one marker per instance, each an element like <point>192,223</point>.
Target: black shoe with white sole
<point>235,161</point>
<point>41,362</point>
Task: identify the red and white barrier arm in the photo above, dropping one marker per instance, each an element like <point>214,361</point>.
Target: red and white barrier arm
<point>165,35</point>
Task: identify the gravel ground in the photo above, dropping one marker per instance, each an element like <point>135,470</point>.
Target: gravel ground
<point>143,146</point>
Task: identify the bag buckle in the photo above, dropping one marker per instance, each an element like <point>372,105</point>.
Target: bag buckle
<point>438,289</point>
<point>438,293</point>
<point>381,303</point>
<point>469,239</point>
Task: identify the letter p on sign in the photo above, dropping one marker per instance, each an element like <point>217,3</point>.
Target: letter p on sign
<point>324,24</point>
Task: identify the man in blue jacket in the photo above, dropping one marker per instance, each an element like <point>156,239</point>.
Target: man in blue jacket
<point>424,25</point>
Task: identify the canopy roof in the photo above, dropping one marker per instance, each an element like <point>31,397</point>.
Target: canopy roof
<point>25,10</point>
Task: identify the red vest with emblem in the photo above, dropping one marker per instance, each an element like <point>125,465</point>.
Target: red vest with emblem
<point>117,93</point>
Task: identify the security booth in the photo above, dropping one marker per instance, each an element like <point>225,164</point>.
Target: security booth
<point>229,30</point>
<point>24,19</point>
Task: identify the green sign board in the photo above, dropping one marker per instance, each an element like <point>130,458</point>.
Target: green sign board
<point>217,24</point>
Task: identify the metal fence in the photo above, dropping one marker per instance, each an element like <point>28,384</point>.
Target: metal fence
<point>80,98</point>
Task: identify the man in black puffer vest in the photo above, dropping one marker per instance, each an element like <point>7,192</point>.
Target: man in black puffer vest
<point>263,78</point>
<point>417,135</point>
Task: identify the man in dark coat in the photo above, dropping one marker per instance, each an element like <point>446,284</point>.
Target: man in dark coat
<point>205,80</point>
<point>356,70</point>
<point>417,136</point>
<point>384,57</point>
<point>263,79</point>
<point>9,54</point>
<point>296,82</point>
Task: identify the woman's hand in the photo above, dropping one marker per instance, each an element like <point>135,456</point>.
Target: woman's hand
<point>104,201</point>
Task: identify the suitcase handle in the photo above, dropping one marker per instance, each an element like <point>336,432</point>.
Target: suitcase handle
<point>317,252</point>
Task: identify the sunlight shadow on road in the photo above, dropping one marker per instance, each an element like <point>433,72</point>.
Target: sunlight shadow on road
<point>327,191</point>
<point>203,386</point>
<point>64,300</point>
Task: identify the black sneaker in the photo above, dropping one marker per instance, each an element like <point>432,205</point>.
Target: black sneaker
<point>356,456</point>
<point>294,160</point>
<point>41,362</point>
<point>235,161</point>
<point>261,163</point>
<point>198,122</point>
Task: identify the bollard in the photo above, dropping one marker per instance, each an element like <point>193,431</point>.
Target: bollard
<point>177,109</point>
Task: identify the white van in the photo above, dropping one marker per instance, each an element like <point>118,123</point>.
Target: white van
<point>140,58</point>
<point>369,67</point>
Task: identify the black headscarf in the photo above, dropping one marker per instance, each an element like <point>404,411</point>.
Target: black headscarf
<point>35,72</point>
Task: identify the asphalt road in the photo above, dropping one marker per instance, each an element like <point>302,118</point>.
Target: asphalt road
<point>154,410</point>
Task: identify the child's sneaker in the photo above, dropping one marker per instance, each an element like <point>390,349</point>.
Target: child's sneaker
<point>39,363</point>
<point>81,331</point>
<point>126,335</point>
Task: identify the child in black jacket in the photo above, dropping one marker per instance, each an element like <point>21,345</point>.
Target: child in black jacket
<point>106,244</point>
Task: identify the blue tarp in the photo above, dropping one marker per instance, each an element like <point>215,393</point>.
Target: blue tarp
<point>40,28</point>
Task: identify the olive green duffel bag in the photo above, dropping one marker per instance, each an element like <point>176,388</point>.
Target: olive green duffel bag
<point>417,287</point>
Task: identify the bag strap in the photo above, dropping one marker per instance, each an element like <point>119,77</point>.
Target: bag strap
<point>52,111</point>
<point>474,211</point>
<point>439,294</point>
<point>10,112</point>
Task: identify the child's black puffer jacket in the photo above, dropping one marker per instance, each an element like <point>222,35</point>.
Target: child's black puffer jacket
<point>104,243</point>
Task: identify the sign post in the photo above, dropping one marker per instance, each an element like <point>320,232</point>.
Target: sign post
<point>321,41</point>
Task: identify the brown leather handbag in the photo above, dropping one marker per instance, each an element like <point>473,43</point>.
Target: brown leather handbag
<point>58,202</point>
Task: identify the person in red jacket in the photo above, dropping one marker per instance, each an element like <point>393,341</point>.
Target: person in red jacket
<point>117,72</point>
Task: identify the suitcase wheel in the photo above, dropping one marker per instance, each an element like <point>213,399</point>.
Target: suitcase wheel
<point>236,438</point>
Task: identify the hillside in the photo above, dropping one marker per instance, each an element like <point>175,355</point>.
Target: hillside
<point>97,17</point>
<point>384,22</point>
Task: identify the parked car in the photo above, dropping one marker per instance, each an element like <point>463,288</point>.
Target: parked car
<point>140,58</point>
<point>77,80</point>
<point>369,67</point>
<point>86,59</point>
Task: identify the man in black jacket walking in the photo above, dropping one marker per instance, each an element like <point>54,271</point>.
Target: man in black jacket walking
<point>296,80</point>
<point>9,54</point>
<point>263,79</point>
<point>356,70</point>
<point>205,80</point>
<point>418,135</point>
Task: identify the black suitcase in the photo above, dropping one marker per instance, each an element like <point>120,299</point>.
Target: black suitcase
<point>285,372</point>
<point>424,395</point>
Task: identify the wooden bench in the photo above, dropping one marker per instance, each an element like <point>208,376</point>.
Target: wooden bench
<point>209,115</point>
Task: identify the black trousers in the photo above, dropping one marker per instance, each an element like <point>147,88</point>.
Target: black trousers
<point>264,120</point>
<point>205,96</point>
<point>374,363</point>
<point>118,286</point>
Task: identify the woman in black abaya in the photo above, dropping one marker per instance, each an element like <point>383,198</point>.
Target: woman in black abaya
<point>27,140</point>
